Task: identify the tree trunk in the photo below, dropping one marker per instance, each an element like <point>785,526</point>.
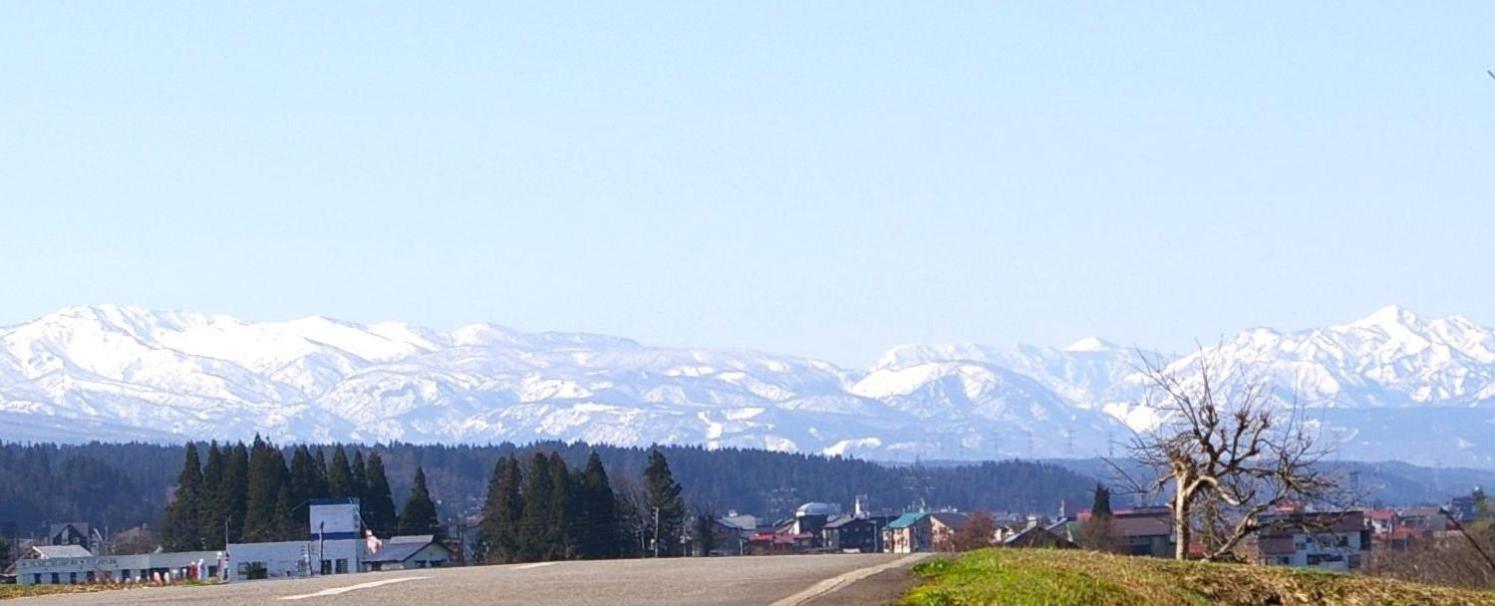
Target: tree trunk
<point>1180,525</point>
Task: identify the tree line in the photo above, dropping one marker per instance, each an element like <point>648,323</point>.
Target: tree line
<point>250,494</point>
<point>541,510</point>
<point>125,485</point>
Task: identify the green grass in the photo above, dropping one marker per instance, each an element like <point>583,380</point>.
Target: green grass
<point>1043,577</point>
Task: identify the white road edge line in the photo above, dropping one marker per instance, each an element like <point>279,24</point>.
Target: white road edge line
<point>342,590</point>
<point>535,565</point>
<point>844,579</point>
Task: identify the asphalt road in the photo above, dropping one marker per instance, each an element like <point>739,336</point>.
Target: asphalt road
<point>805,580</point>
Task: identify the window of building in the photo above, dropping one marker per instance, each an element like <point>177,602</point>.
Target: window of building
<point>36,578</point>
<point>72,578</point>
<point>326,567</point>
<point>342,566</point>
<point>91,577</point>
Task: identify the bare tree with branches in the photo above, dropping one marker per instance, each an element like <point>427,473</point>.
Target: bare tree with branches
<point>1224,454</point>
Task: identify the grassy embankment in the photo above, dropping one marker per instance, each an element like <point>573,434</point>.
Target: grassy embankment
<point>1034,577</point>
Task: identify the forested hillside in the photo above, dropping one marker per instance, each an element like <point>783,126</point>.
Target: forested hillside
<point>122,485</point>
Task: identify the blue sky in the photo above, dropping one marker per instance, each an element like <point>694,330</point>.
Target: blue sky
<point>827,180</point>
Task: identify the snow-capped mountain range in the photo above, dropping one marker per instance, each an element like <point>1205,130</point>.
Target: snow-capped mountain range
<point>1389,386</point>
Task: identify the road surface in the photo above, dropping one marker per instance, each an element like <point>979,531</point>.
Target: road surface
<point>802,580</point>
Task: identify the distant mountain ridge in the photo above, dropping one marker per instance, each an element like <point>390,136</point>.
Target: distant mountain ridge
<point>1390,385</point>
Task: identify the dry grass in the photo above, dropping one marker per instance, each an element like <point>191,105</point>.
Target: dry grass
<point>28,591</point>
<point>1034,577</point>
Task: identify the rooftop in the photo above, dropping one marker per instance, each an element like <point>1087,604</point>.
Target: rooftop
<point>61,551</point>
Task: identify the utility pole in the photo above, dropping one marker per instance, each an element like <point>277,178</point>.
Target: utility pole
<point>321,542</point>
<point>656,532</point>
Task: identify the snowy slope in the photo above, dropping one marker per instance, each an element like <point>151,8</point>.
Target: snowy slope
<point>1391,385</point>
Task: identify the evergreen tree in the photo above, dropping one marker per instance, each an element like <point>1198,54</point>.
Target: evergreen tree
<point>180,530</point>
<point>360,474</point>
<point>321,457</point>
<point>597,518</point>
<point>666,506</point>
<point>1098,532</point>
<point>1101,506</point>
<point>560,535</point>
<point>378,503</point>
<point>288,526</point>
<point>419,515</point>
<point>340,476</point>
<point>628,505</point>
<point>233,493</point>
<point>306,484</point>
<point>211,513</point>
<point>534,523</point>
<point>498,535</point>
<point>263,521</point>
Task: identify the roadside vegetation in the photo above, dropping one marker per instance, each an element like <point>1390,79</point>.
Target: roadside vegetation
<point>1042,577</point>
<point>30,591</point>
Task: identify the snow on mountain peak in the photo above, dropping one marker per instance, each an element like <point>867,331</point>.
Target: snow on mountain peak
<point>1090,344</point>
<point>198,375</point>
<point>1391,316</point>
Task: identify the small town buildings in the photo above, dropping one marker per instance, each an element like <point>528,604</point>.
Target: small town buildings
<point>1398,530</point>
<point>409,553</point>
<point>852,533</point>
<point>921,532</point>
<point>1336,541</point>
<point>778,542</point>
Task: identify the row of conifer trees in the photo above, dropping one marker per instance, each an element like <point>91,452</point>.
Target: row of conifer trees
<point>535,510</point>
<point>249,494</point>
<point>540,510</point>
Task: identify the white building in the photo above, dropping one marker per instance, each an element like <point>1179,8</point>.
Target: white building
<point>333,547</point>
<point>409,552</point>
<point>72,565</point>
<point>1338,541</point>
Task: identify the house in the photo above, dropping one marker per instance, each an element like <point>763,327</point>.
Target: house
<point>730,535</point>
<point>921,532</point>
<point>69,533</point>
<point>811,517</point>
<point>854,534</point>
<point>1471,507</point>
<point>1038,537</point>
<point>1399,530</point>
<point>1144,531</point>
<point>409,553</point>
<point>1337,540</point>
